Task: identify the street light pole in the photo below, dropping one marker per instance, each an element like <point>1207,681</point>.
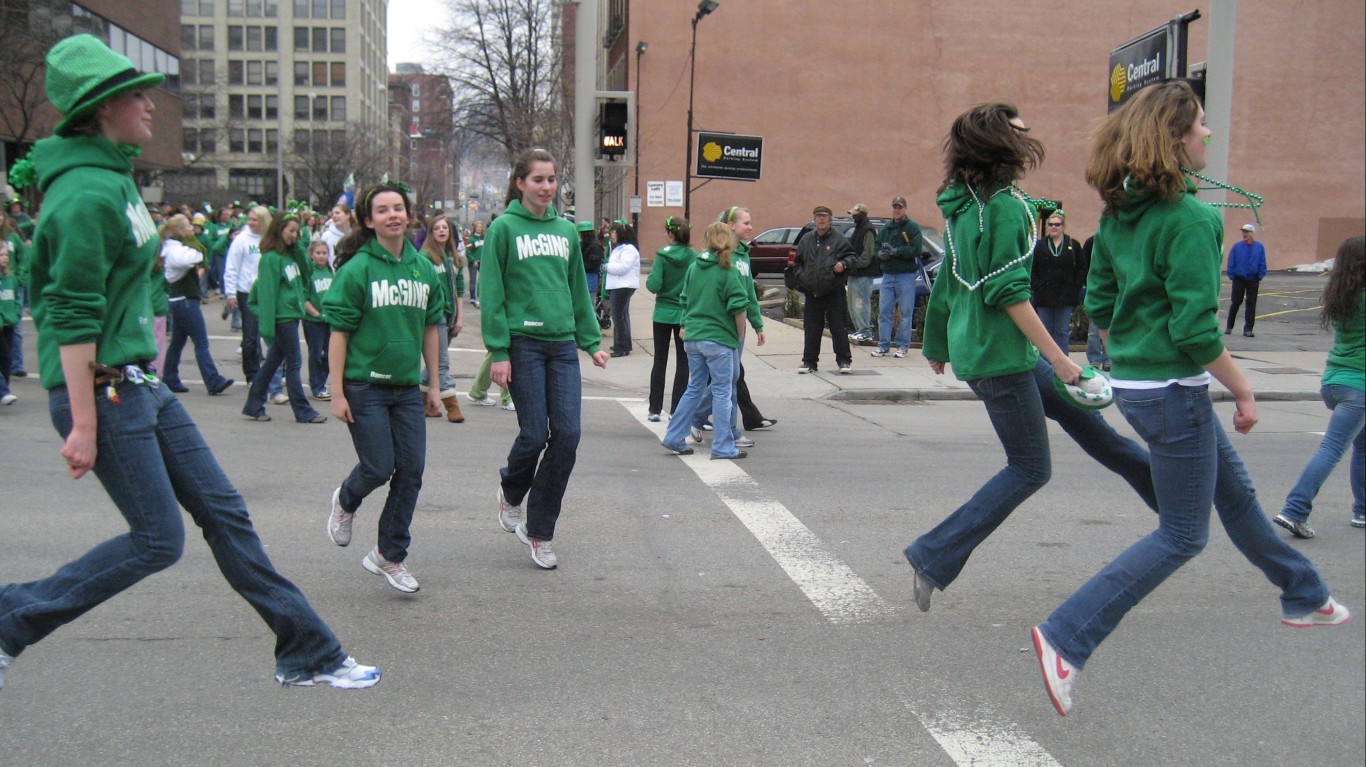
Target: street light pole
<point>703,8</point>
<point>640,49</point>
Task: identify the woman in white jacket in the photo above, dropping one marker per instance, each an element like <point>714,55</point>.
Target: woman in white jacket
<point>182,260</point>
<point>623,278</point>
<point>244,256</point>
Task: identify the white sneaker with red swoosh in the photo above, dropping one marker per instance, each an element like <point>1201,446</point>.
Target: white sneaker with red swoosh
<point>1331,614</point>
<point>1058,674</point>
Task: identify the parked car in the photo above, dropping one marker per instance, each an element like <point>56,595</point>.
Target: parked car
<point>772,251</point>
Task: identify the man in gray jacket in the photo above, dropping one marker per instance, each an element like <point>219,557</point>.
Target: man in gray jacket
<point>823,260</point>
<point>866,268</point>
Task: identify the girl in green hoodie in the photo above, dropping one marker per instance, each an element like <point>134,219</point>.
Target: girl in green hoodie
<point>666,282</point>
<point>536,313</point>
<point>1153,288</point>
<point>385,310</point>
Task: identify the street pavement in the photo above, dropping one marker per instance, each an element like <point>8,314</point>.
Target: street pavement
<point>705,613</point>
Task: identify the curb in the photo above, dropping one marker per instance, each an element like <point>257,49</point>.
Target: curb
<point>900,396</point>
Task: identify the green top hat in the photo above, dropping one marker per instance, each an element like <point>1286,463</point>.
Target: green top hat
<point>584,226</point>
<point>82,73</point>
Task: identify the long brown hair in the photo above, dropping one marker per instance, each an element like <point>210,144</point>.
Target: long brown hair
<point>1139,145</point>
<point>1342,294</point>
<point>718,240</point>
<point>522,168</point>
<point>273,239</point>
<point>984,149</point>
<point>436,253</point>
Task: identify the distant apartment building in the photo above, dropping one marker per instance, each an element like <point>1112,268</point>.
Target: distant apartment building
<point>273,90</point>
<point>421,122</point>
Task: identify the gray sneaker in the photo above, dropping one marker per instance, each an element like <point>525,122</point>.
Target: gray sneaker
<point>339,521</point>
<point>542,553</point>
<point>1296,528</point>
<point>695,434</point>
<point>396,573</point>
<point>923,589</point>
<point>744,442</point>
<point>509,516</point>
<point>900,354</point>
<point>5,661</point>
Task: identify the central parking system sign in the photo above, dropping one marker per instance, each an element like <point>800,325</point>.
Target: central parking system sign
<point>726,155</point>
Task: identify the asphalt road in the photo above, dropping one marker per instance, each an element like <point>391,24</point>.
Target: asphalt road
<point>755,613</point>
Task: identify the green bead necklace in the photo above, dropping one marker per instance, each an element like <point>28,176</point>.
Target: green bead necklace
<point>1253,201</point>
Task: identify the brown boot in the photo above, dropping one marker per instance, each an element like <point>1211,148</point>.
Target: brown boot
<point>453,413</point>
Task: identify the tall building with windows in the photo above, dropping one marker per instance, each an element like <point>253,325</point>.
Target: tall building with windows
<point>421,120</point>
<point>145,32</point>
<point>273,90</point>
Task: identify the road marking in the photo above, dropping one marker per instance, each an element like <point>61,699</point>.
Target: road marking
<point>982,742</point>
<point>836,590</point>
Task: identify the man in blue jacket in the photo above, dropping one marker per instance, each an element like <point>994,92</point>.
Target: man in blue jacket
<point>1246,268</point>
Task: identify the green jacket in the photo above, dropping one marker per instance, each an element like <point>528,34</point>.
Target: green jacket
<point>92,256</point>
<point>9,300</point>
<point>1347,360</point>
<point>18,257</point>
<point>740,257</point>
<point>969,327</point>
<point>712,297</point>
<point>278,294</point>
<point>533,284</point>
<point>907,243</point>
<point>1154,284</point>
<point>386,305</point>
<point>666,282</point>
<point>474,248</point>
<point>319,280</point>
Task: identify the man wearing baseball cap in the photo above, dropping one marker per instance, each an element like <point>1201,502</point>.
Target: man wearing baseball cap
<point>822,266</point>
<point>1246,268</point>
<point>861,276</point>
<point>899,245</point>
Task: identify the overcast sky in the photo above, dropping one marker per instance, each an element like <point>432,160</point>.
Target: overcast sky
<point>408,20</point>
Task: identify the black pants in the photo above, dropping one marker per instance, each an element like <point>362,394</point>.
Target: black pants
<point>818,312</point>
<point>750,417</point>
<point>620,300</point>
<point>1242,287</point>
<point>663,332</point>
<point>251,339</point>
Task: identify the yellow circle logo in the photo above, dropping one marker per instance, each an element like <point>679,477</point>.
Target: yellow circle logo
<point>711,151</point>
<point>1117,83</point>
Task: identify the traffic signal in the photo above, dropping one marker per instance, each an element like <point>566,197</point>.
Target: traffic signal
<point>613,127</point>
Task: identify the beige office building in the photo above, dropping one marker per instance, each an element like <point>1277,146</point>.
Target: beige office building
<point>853,99</point>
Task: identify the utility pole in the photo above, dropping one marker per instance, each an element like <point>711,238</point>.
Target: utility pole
<point>585,99</point>
<point>1219,92</point>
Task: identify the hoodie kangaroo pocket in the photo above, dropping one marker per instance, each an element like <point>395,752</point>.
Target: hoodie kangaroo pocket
<point>396,361</point>
<point>550,312</point>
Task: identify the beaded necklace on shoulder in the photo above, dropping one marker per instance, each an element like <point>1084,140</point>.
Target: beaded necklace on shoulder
<point>1254,201</point>
<point>1033,223</point>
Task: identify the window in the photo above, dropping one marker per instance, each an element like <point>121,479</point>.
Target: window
<point>338,139</point>
<point>235,8</point>
<point>319,9</point>
<point>254,9</point>
<point>319,73</point>
<point>300,107</point>
<point>237,141</point>
<point>338,9</point>
<point>191,183</point>
<point>255,138</point>
<point>235,72</point>
<point>237,106</point>
<point>417,106</point>
<point>254,107</point>
<point>254,72</point>
<point>189,7</point>
<point>208,140</point>
<point>206,37</point>
<point>253,38</point>
<point>189,106</point>
<point>235,38</point>
<point>338,73</point>
<point>272,107</point>
<point>272,9</point>
<point>257,184</point>
<point>339,40</point>
<point>208,106</point>
<point>320,108</point>
<point>272,39</point>
<point>300,9</point>
<point>190,76</point>
<point>272,73</point>
<point>300,39</point>
<point>187,37</point>
<point>417,89</point>
<point>320,141</point>
<point>301,73</point>
<point>206,70</point>
<point>339,109</point>
<point>205,7</point>
<point>301,142</point>
<point>320,40</point>
<point>272,140</point>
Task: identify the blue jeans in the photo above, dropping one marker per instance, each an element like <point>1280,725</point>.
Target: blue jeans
<point>317,335</point>
<point>474,280</point>
<point>898,292</point>
<point>1194,466</point>
<point>389,432</point>
<point>1017,405</point>
<point>16,351</point>
<point>6,338</point>
<point>711,366</point>
<point>187,323</point>
<point>703,411</point>
<point>443,361</point>
<point>860,304</point>
<point>620,301</point>
<point>251,339</point>
<point>286,350</point>
<point>1057,320</point>
<point>152,461</point>
<point>548,390</point>
<point>1344,428</point>
<point>1095,350</point>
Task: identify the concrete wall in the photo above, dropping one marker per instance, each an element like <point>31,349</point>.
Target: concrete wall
<point>853,100</point>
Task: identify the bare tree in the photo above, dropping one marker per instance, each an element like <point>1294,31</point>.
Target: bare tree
<point>505,64</point>
<point>320,168</point>
<point>23,48</point>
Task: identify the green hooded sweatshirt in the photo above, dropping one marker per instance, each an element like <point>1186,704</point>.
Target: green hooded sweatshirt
<point>9,300</point>
<point>319,280</point>
<point>1347,360</point>
<point>740,256</point>
<point>386,305</point>
<point>531,283</point>
<point>666,282</point>
<point>92,256</point>
<point>278,294</point>
<point>1154,284</point>
<point>712,296</point>
<point>969,328</point>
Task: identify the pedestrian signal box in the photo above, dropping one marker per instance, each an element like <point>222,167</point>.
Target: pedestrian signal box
<point>612,128</point>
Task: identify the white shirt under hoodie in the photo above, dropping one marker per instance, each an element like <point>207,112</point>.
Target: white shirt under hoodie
<point>244,256</point>
<point>623,267</point>
<point>178,258</point>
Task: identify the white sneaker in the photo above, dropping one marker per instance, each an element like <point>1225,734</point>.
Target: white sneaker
<point>509,516</point>
<point>1058,674</point>
<point>510,406</point>
<point>487,401</point>
<point>900,354</point>
<point>744,442</point>
<point>350,675</point>
<point>339,521</point>
<point>541,551</point>
<point>8,399</point>
<point>1331,614</point>
<point>396,573</point>
<point>280,399</point>
<point>695,434</point>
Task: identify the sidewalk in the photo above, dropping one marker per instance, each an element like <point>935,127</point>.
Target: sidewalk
<point>771,369</point>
